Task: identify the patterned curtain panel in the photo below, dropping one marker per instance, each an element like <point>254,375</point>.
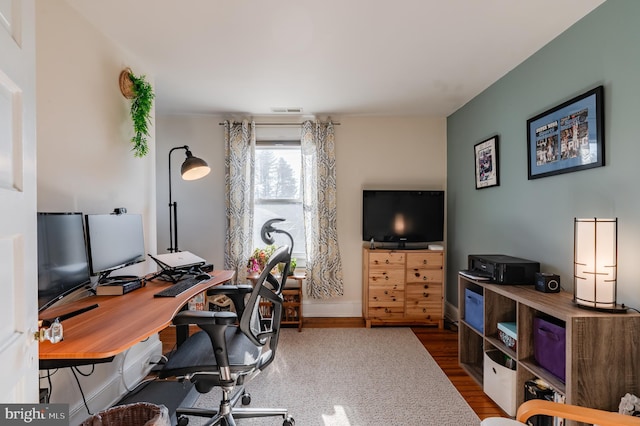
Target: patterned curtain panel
<point>324,267</point>
<point>240,142</point>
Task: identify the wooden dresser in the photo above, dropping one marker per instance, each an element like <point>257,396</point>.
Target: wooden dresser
<point>402,287</point>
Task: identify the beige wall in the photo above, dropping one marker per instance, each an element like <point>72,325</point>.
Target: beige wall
<point>372,152</point>
<point>84,155</point>
<point>201,210</point>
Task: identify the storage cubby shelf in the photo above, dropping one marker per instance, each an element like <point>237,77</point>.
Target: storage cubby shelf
<point>602,349</point>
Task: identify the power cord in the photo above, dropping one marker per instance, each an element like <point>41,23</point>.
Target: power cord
<point>75,370</point>
<point>50,389</point>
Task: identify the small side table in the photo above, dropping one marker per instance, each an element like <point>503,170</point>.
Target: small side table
<point>292,299</point>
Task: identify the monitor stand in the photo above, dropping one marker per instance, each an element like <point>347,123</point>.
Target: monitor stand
<point>106,278</point>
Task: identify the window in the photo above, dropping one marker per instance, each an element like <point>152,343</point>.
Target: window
<point>278,193</point>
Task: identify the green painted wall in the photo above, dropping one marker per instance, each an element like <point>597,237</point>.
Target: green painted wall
<point>533,219</point>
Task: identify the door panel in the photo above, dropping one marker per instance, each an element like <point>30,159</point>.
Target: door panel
<point>18,266</point>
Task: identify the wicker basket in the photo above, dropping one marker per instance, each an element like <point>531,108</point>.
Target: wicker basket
<point>137,414</point>
<point>126,85</point>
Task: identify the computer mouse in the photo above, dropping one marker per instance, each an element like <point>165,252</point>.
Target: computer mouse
<point>203,276</point>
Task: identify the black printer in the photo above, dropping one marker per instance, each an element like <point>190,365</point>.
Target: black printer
<point>503,269</point>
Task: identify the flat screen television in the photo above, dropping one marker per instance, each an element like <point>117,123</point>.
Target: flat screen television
<point>62,256</point>
<point>403,216</point>
<point>114,241</point>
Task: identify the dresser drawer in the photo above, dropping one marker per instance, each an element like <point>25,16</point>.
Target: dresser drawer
<point>387,312</point>
<point>386,295</point>
<point>424,260</point>
<point>386,276</point>
<point>424,276</point>
<point>386,259</point>
<point>424,312</point>
<point>424,299</point>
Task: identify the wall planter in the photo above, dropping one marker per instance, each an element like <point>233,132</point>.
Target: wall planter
<point>140,92</point>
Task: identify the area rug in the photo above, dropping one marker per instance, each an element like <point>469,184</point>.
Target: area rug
<point>354,377</point>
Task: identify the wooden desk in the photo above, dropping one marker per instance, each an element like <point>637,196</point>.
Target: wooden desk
<point>119,322</point>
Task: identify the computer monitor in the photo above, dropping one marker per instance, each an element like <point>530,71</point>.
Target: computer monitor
<point>62,256</point>
<point>114,241</point>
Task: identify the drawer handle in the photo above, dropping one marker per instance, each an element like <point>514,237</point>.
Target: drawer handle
<point>425,294</point>
<point>425,278</point>
<point>386,292</point>
<point>417,274</point>
<point>386,310</point>
<point>386,261</point>
<point>424,262</point>
<point>375,261</point>
<point>424,310</point>
<point>426,286</point>
<point>386,277</point>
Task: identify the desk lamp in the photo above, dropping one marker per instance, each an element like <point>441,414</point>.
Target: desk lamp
<point>193,168</point>
<point>595,264</point>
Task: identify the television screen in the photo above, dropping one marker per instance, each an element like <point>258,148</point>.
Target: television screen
<point>114,241</point>
<point>62,256</point>
<point>403,216</point>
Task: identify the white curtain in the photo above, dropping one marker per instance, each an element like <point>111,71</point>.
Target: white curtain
<point>324,267</point>
<point>240,141</point>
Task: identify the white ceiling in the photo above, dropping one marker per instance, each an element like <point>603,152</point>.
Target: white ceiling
<point>328,57</point>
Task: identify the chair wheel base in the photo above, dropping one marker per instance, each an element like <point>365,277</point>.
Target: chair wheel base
<point>289,421</point>
<point>246,399</point>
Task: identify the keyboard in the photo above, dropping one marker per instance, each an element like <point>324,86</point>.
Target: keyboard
<point>180,287</point>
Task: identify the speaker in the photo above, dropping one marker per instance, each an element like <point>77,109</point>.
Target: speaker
<point>547,283</point>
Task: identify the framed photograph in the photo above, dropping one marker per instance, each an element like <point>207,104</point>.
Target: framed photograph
<point>567,138</point>
<point>486,155</point>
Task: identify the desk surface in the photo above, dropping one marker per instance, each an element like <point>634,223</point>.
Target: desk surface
<point>118,322</point>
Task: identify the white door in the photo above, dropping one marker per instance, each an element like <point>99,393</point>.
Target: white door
<point>18,267</point>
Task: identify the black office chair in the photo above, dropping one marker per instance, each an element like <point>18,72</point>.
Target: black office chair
<point>227,353</point>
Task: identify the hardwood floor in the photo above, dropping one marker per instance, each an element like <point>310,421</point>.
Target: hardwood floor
<point>443,347</point>
<point>441,344</point>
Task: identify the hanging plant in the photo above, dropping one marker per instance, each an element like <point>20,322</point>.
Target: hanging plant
<point>141,94</point>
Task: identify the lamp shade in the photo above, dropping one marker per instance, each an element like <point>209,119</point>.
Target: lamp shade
<point>595,262</point>
<point>194,168</point>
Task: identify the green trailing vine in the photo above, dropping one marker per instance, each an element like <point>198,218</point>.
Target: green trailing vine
<point>141,104</point>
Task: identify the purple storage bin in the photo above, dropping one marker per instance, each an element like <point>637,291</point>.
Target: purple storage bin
<point>549,347</point>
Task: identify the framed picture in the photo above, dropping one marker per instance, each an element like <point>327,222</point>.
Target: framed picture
<point>567,138</point>
<point>486,155</point>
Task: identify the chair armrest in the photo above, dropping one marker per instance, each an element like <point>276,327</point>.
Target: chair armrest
<point>574,412</point>
<point>229,289</point>
<point>205,318</point>
<point>236,293</point>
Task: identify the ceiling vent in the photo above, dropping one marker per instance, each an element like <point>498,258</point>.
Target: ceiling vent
<point>287,110</point>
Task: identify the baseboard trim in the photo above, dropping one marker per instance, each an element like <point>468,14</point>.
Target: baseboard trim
<point>333,322</point>
<point>451,312</point>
